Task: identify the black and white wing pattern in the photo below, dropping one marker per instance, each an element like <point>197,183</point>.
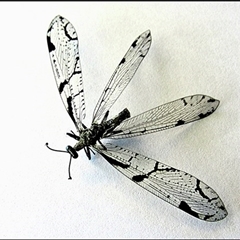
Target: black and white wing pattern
<point>122,75</point>
<point>172,114</point>
<point>172,185</point>
<point>64,55</point>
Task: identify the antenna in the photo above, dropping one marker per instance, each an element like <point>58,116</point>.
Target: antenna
<point>55,149</point>
<point>70,161</point>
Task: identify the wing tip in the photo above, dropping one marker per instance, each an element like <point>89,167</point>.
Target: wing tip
<point>220,212</point>
<point>147,34</point>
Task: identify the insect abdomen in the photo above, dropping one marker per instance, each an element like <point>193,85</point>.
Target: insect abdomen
<point>124,114</point>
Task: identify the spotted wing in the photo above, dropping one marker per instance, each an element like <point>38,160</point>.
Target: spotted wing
<point>172,185</point>
<point>64,55</point>
<point>172,114</point>
<point>122,75</point>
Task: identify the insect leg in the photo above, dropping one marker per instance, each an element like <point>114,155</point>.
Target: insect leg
<point>87,151</point>
<point>69,166</point>
<point>102,145</point>
<point>73,135</point>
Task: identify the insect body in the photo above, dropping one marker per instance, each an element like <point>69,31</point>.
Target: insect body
<point>172,185</point>
<point>90,136</point>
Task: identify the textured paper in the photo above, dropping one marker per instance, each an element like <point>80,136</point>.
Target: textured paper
<point>195,49</point>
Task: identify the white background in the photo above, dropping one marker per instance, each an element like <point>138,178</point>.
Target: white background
<point>195,49</point>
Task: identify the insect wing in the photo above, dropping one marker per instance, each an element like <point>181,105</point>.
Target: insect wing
<point>122,75</point>
<point>64,55</point>
<point>172,114</point>
<point>172,185</point>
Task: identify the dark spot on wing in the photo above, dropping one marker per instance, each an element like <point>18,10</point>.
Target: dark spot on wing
<point>211,100</point>
<point>61,18</point>
<point>114,162</point>
<point>184,101</point>
<point>51,46</point>
<point>198,189</point>
<point>122,61</point>
<point>180,122</point>
<point>170,169</point>
<point>186,208</point>
<point>62,85</point>
<point>222,208</point>
<point>134,44</point>
<point>203,115</point>
<point>139,178</point>
<point>70,109</point>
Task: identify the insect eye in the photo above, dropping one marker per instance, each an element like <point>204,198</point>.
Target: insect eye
<point>72,151</point>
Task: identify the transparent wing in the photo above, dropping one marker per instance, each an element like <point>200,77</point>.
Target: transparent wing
<point>172,114</point>
<point>172,185</point>
<point>64,55</point>
<point>122,75</point>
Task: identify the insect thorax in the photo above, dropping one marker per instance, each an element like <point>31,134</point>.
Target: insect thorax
<point>90,136</point>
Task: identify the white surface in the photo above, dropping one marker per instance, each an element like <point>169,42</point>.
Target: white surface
<point>195,49</point>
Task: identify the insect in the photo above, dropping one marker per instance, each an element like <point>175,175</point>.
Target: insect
<point>172,185</point>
